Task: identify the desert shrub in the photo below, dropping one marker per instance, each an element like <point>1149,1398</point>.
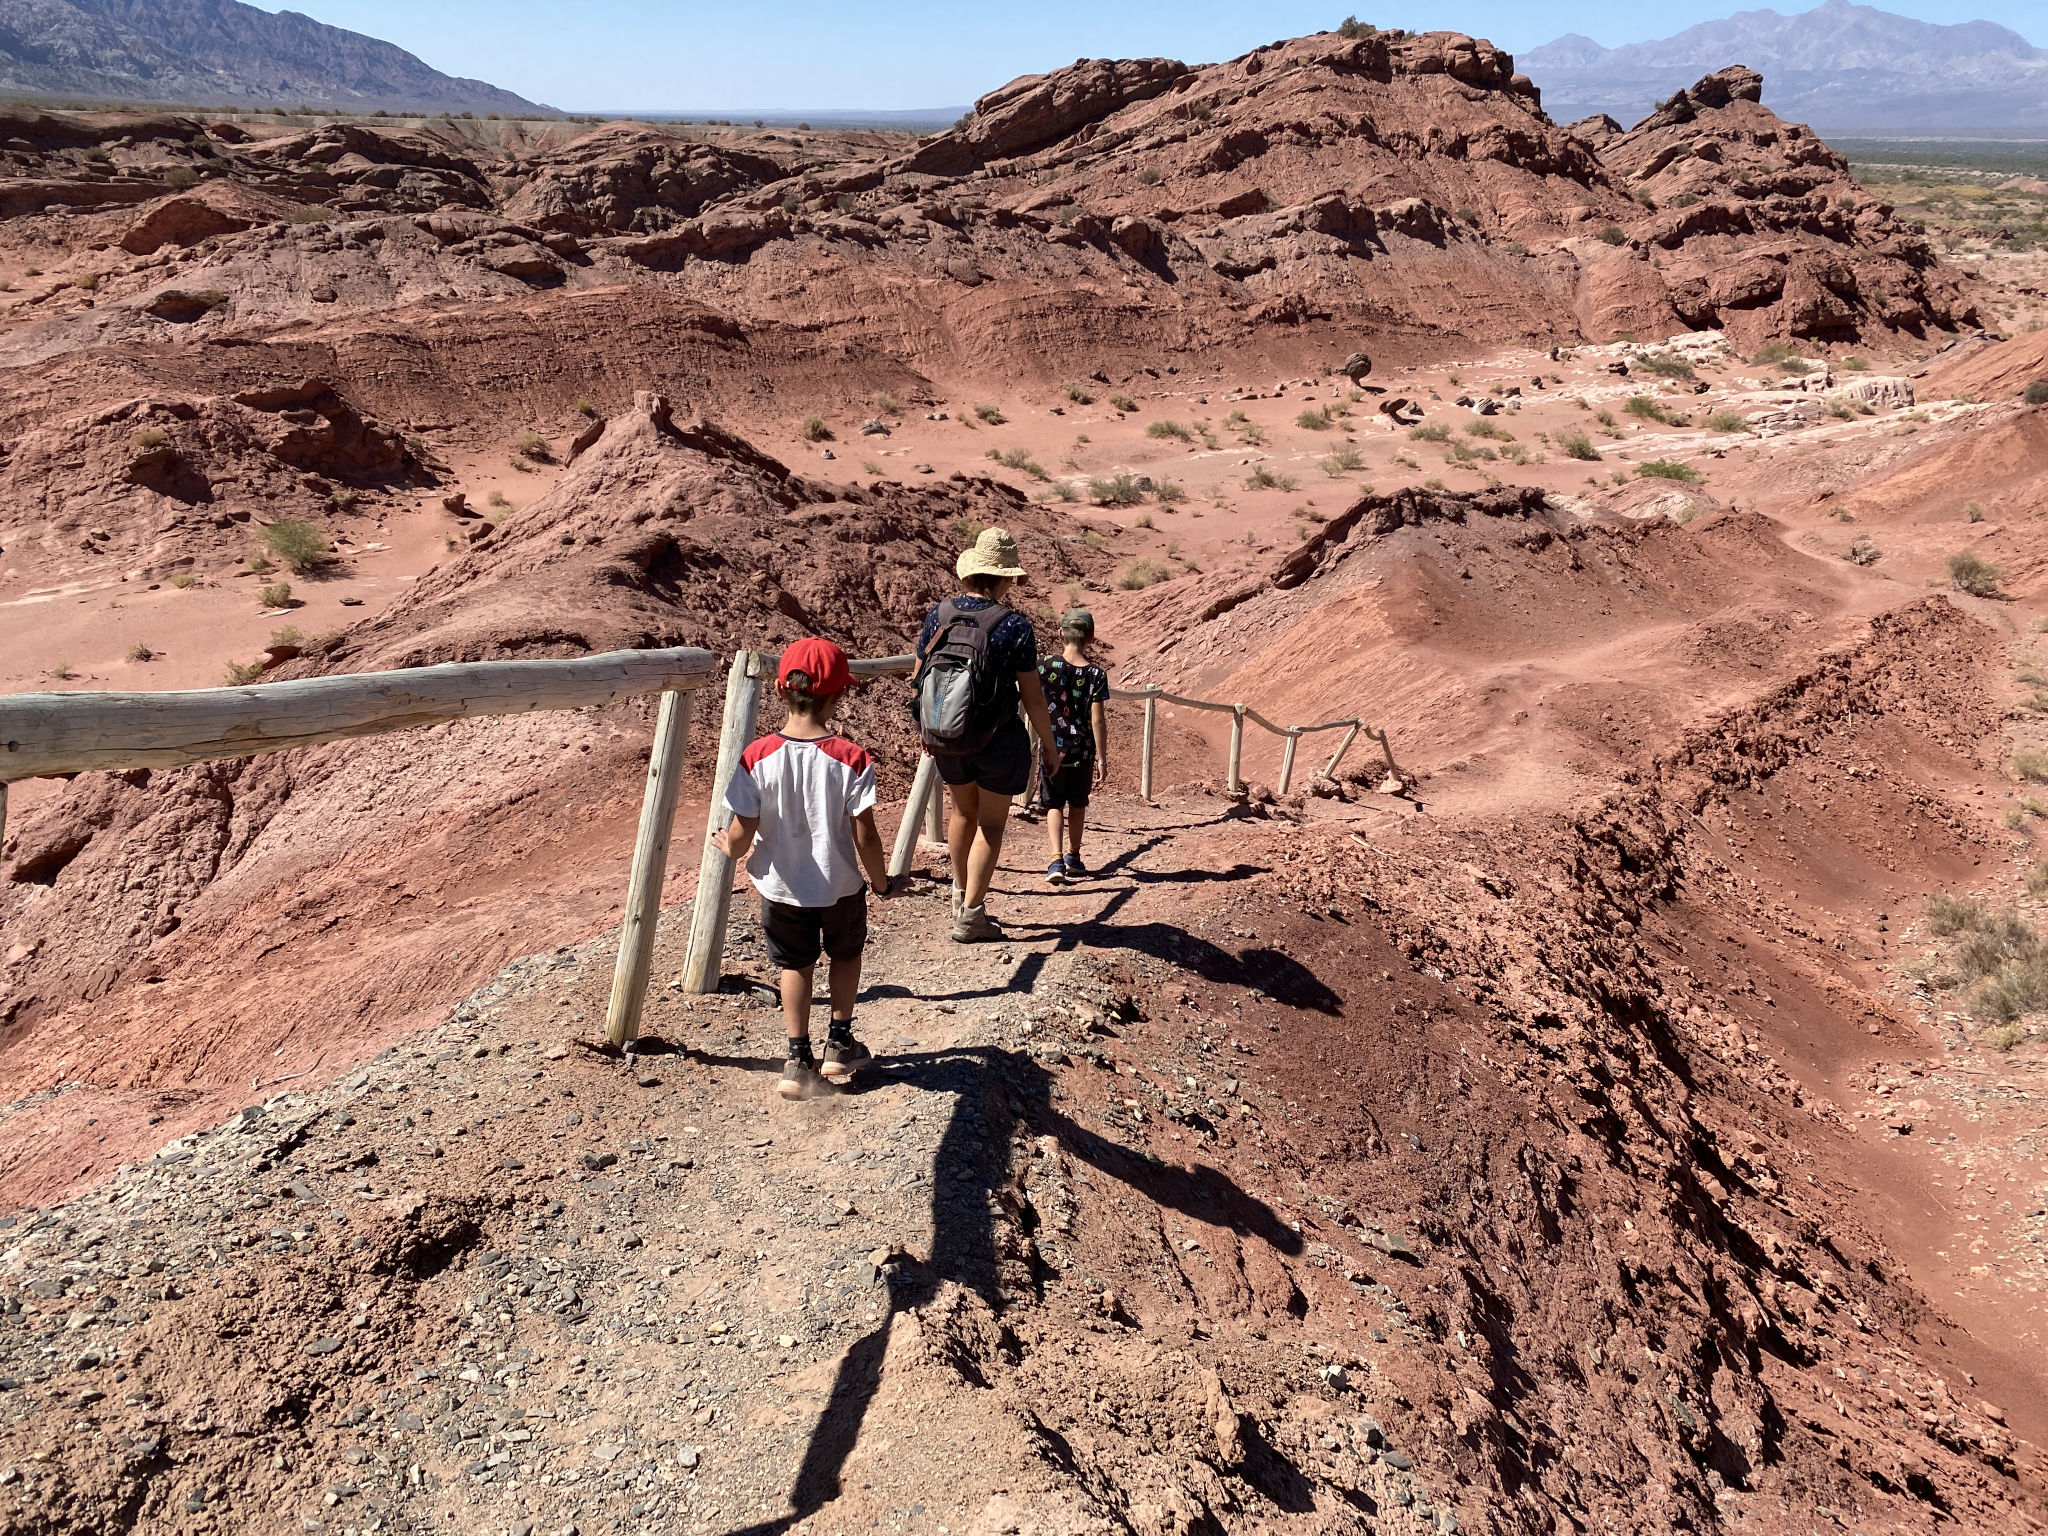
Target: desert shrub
<point>185,580</point>
<point>869,466</point>
<point>1309,515</point>
<point>181,177</point>
<point>1263,479</point>
<point>532,444</point>
<point>1727,421</point>
<point>1947,915</point>
<point>1168,492</point>
<point>2031,765</point>
<point>1315,420</point>
<point>1078,393</point>
<point>1666,365</point>
<point>1997,938</point>
<point>1251,434</point>
<point>2005,1037</point>
<point>310,213</point>
<point>240,674</point>
<point>1484,427</point>
<point>966,530</point>
<point>991,415</point>
<point>1841,410</point>
<point>887,404</point>
<point>1606,418</point>
<point>150,437</point>
<point>1465,453</point>
<point>1163,429</point>
<point>1123,403</point>
<point>1142,574</point>
<point>1861,551</point>
<point>1855,365</point>
<point>140,652</point>
<point>1972,573</point>
<point>1613,236</point>
<point>1343,460</point>
<point>1669,469</point>
<point>1061,491</point>
<point>300,545</point>
<point>584,407</point>
<point>288,634</point>
<point>814,430</point>
<point>2037,880</point>
<point>1430,432</point>
<point>1973,511</point>
<point>1016,458</point>
<point>1145,520</point>
<point>276,595</point>
<point>1646,409</point>
<point>498,500</point>
<point>86,280</point>
<point>1576,445</point>
<point>1148,177</point>
<point>342,499</point>
<point>1352,27</point>
<point>2036,393</point>
<point>1781,355</point>
<point>1117,491</point>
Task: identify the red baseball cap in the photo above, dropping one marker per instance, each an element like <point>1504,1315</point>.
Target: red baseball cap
<point>821,661</point>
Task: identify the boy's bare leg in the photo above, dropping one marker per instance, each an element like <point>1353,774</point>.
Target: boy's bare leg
<point>845,978</point>
<point>1053,820</point>
<point>796,1002</point>
<point>992,820</point>
<point>960,828</point>
<point>1077,818</point>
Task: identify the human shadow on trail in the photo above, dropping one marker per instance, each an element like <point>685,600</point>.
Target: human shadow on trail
<point>997,1095</point>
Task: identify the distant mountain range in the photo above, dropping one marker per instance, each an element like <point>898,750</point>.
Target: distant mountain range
<point>1845,69</point>
<point>218,52</point>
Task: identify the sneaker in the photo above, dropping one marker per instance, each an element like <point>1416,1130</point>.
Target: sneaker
<point>1056,872</point>
<point>972,926</point>
<point>844,1056</point>
<point>800,1080</point>
<point>1076,870</point>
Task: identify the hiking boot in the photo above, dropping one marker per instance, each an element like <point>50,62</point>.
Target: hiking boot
<point>972,926</point>
<point>957,903</point>
<point>1076,870</point>
<point>1056,872</point>
<point>800,1080</point>
<point>844,1056</point>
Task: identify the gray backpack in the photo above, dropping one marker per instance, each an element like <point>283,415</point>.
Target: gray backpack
<point>958,695</point>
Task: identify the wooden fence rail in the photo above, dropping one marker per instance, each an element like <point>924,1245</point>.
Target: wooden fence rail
<point>65,733</point>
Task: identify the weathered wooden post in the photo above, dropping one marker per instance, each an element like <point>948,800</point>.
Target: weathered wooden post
<point>1287,761</point>
<point>1151,735</point>
<point>913,813</point>
<point>3,813</point>
<point>935,809</point>
<point>1342,747</point>
<point>650,865</point>
<point>706,957</point>
<point>1236,747</point>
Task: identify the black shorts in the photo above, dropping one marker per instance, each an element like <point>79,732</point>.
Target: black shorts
<point>1003,767</point>
<point>1070,786</point>
<point>796,934</point>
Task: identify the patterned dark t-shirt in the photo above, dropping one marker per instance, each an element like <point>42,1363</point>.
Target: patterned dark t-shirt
<point>1069,693</point>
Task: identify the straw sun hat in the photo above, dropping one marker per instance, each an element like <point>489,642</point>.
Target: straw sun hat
<point>994,554</point>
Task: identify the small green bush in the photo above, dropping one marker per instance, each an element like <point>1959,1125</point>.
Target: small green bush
<point>1168,493</point>
<point>2031,765</point>
<point>1613,236</point>
<point>1666,365</point>
<point>1342,461</point>
<point>584,406</point>
<point>181,177</point>
<point>1117,491</point>
<point>991,415</point>
<point>1173,429</point>
<point>1123,403</point>
<point>2037,880</point>
<point>1576,445</point>
<point>1430,432</point>
<point>150,437</point>
<point>1669,469</point>
<point>1079,394</point>
<point>814,430</point>
<point>2036,393</point>
<point>140,652</point>
<point>240,674</point>
<point>1490,429</point>
<point>966,530</point>
<point>1142,574</point>
<point>276,595</point>
<point>184,581</point>
<point>498,500</point>
<point>1782,355</point>
<point>1973,511</point>
<point>1016,458</point>
<point>887,404</point>
<point>1314,420</point>
<point>1263,479</point>
<point>532,444</point>
<point>1646,409</point>
<point>1727,421</point>
<point>301,546</point>
<point>1971,573</point>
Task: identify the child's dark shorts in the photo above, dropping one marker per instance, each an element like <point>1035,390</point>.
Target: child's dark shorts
<point>1069,786</point>
<point>1003,767</point>
<point>796,934</point>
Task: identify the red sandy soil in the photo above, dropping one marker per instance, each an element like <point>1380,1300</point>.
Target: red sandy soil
<point>1627,1021</point>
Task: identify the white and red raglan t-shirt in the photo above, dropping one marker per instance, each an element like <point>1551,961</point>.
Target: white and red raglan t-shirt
<point>806,794</point>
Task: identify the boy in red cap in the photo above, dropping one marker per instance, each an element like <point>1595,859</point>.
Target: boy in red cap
<point>808,795</point>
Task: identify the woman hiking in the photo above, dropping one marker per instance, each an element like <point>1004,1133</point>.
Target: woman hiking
<point>976,660</point>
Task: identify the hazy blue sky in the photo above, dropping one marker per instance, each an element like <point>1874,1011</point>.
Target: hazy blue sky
<point>917,53</point>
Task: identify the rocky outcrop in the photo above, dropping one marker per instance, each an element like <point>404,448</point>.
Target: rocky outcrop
<point>633,179</point>
<point>1036,110</point>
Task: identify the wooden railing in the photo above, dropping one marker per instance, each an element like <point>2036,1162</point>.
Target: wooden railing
<point>63,733</point>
